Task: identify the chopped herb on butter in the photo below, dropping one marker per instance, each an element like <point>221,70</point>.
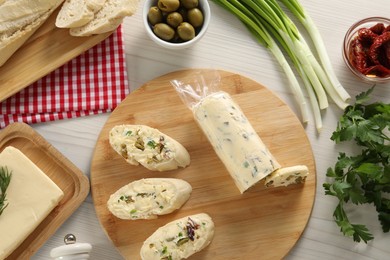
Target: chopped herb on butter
<point>152,144</point>
<point>126,199</point>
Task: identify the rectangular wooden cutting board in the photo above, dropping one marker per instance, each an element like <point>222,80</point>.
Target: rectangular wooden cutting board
<point>46,50</point>
<point>59,169</point>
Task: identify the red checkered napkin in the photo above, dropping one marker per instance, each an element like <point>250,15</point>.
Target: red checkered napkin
<point>94,82</point>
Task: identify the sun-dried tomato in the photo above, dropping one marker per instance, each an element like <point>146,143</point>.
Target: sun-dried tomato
<point>379,50</point>
<point>376,71</point>
<point>378,28</point>
<point>366,37</point>
<point>370,51</point>
<point>387,48</point>
<point>358,56</point>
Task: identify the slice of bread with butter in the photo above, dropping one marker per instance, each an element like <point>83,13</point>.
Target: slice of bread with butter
<point>141,144</point>
<point>148,198</point>
<point>179,239</point>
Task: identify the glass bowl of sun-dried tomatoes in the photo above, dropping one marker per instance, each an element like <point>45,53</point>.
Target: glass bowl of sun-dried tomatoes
<point>366,49</point>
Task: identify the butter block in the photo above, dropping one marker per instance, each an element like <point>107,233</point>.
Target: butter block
<point>31,196</point>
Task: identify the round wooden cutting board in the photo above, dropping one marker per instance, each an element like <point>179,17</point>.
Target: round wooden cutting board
<point>263,223</point>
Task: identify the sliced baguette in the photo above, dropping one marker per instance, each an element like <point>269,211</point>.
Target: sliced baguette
<point>141,144</point>
<point>149,198</point>
<point>179,239</point>
<point>76,13</point>
<point>12,40</point>
<point>108,18</point>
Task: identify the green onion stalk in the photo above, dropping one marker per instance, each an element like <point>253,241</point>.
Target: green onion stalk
<point>285,27</point>
<point>297,9</point>
<point>312,95</point>
<point>268,17</point>
<point>264,38</point>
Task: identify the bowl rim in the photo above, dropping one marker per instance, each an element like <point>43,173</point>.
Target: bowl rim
<point>349,35</point>
<point>170,45</point>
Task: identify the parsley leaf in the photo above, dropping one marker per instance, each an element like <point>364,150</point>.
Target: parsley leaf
<point>365,177</point>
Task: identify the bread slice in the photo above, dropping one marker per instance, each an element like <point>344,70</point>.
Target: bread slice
<point>108,18</point>
<point>179,239</point>
<point>148,198</point>
<point>13,38</point>
<point>141,144</point>
<point>76,13</point>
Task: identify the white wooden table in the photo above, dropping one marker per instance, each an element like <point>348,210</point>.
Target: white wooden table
<point>228,45</point>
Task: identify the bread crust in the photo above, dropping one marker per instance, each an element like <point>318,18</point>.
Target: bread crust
<point>11,42</point>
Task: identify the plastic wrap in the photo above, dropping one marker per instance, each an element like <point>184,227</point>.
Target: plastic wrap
<point>230,133</point>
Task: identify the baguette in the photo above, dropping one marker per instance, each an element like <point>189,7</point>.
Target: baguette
<point>149,198</point>
<point>15,34</point>
<point>9,27</point>
<point>108,18</point>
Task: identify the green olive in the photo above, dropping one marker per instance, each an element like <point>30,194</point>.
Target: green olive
<point>155,15</point>
<point>174,19</point>
<point>164,31</point>
<point>188,4</point>
<point>168,5</point>
<point>186,31</point>
<point>195,17</point>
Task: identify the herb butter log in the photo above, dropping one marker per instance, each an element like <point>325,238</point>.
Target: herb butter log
<point>141,144</point>
<point>179,239</point>
<point>234,140</point>
<point>148,198</point>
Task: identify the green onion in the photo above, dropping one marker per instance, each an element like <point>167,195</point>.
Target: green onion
<point>263,37</point>
<point>270,25</point>
<point>297,9</point>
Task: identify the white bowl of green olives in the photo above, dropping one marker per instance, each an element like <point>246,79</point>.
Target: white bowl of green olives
<point>176,24</point>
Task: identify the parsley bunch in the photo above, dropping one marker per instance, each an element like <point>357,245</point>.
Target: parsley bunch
<point>362,178</point>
